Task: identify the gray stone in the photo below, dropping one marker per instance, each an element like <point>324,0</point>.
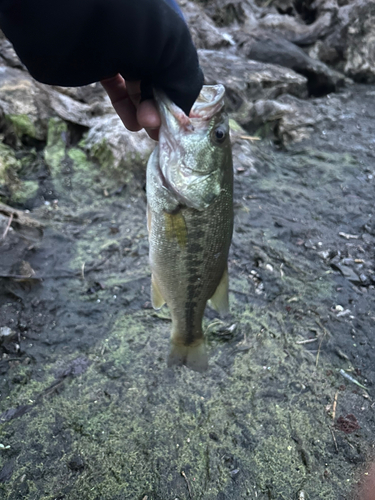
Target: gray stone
<point>29,104</point>
<point>350,45</point>
<point>8,54</point>
<point>287,119</point>
<point>247,81</point>
<point>203,30</point>
<point>295,30</point>
<point>233,12</point>
<point>265,46</point>
<point>360,52</point>
<point>114,146</point>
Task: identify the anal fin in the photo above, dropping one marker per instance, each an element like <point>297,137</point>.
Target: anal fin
<point>220,300</point>
<point>157,300</point>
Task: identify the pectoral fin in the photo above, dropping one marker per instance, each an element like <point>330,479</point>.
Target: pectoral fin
<point>157,299</point>
<point>220,300</point>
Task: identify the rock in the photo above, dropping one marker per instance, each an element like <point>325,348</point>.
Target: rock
<point>9,164</point>
<point>22,223</point>
<point>271,48</point>
<point>69,109</point>
<point>26,191</point>
<point>360,39</point>
<point>233,12</point>
<point>89,94</point>
<point>18,98</point>
<point>286,7</point>
<point>117,151</point>
<point>8,54</point>
<point>8,340</point>
<point>347,272</point>
<point>76,464</point>
<point>294,30</point>
<point>18,190</point>
<point>115,147</point>
<point>203,30</point>
<point>287,119</point>
<point>41,112</point>
<point>28,105</point>
<point>247,81</point>
<point>6,333</point>
<point>350,45</point>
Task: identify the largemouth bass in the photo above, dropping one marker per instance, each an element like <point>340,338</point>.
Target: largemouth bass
<point>190,219</point>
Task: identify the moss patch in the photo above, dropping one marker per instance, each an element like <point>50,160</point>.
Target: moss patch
<point>26,190</point>
<point>54,152</point>
<point>9,164</point>
<point>22,125</point>
<point>101,152</point>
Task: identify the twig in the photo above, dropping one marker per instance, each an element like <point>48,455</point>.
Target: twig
<point>249,138</point>
<point>306,341</point>
<point>187,482</point>
<point>349,443</point>
<point>20,216</point>
<point>317,321</point>
<point>52,388</point>
<point>281,270</point>
<point>334,405</point>
<point>334,439</point>
<point>349,236</point>
<point>19,277</point>
<point>8,226</point>
<point>317,356</point>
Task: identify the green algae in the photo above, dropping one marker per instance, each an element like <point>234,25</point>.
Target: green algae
<point>75,175</point>
<point>22,125</point>
<point>137,426</point>
<point>9,164</point>
<point>102,153</point>
<point>54,152</point>
<point>26,190</point>
<point>55,155</point>
<point>21,191</point>
<point>236,127</point>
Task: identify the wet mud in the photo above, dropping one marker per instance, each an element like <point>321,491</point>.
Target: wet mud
<point>88,408</point>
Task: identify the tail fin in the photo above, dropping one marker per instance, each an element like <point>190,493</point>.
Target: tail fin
<point>193,356</point>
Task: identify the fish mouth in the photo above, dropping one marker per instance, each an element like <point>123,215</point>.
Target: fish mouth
<point>209,102</point>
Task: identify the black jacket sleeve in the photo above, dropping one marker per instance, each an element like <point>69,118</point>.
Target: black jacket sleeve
<point>77,42</point>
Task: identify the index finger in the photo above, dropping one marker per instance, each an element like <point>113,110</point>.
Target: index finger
<point>117,91</point>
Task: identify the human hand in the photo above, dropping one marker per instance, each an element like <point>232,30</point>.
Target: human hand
<point>126,99</point>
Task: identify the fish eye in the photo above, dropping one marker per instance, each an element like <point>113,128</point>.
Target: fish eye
<point>219,134</point>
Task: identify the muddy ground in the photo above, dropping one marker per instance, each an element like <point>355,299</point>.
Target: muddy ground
<point>89,409</point>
